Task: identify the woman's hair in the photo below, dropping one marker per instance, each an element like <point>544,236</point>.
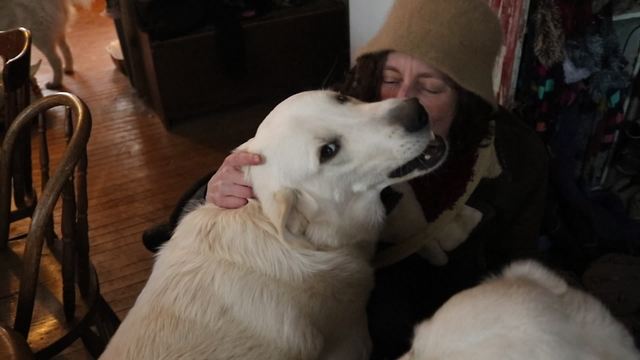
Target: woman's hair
<point>470,125</point>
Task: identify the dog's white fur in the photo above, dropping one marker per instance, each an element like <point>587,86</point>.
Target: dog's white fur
<point>48,21</point>
<point>288,276</point>
<point>527,312</point>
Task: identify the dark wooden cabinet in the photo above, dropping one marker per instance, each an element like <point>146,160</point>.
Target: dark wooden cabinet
<point>284,51</point>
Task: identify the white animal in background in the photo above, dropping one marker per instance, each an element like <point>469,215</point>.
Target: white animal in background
<point>526,313</point>
<point>288,275</point>
<point>48,21</point>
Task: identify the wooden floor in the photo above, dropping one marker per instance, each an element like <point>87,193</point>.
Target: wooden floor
<point>137,169</point>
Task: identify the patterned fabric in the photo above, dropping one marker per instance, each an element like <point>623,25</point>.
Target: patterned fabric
<point>591,74</point>
<point>549,39</point>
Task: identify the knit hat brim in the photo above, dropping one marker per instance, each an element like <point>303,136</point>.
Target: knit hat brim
<point>461,38</point>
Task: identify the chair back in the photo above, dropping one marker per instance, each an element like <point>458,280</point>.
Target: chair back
<point>15,49</point>
<point>68,184</point>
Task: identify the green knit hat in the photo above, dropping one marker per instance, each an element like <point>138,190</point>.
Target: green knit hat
<point>461,38</point>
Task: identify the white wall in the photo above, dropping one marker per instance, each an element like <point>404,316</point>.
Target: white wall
<point>365,18</point>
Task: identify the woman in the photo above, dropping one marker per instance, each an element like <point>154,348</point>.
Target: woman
<point>441,52</point>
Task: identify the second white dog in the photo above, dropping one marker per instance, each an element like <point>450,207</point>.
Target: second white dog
<point>48,21</point>
<point>526,313</point>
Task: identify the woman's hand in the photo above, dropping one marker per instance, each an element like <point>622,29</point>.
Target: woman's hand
<point>227,188</point>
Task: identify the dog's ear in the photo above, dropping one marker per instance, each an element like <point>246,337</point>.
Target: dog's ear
<point>289,211</point>
<point>284,203</point>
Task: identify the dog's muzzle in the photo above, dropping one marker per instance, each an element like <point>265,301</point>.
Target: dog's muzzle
<point>430,159</point>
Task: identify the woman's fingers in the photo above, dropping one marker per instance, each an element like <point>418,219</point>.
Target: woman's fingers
<point>235,197</point>
<point>228,188</point>
<point>242,158</point>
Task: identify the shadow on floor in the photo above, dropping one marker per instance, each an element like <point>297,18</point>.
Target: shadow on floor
<point>226,129</point>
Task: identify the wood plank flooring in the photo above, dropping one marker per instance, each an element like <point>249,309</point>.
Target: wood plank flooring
<point>137,169</point>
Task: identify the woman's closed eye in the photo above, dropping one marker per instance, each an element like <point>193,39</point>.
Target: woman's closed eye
<point>391,81</point>
<point>432,86</point>
<point>430,90</point>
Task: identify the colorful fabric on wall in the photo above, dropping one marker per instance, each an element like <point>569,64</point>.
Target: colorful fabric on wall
<point>576,57</point>
<point>576,104</point>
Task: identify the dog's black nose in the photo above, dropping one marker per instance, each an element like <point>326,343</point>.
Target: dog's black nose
<point>411,115</point>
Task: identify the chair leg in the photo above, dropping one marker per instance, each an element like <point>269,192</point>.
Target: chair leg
<point>109,321</point>
<point>93,343</point>
<point>105,324</point>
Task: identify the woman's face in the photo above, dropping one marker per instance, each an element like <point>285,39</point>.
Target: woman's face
<point>405,77</point>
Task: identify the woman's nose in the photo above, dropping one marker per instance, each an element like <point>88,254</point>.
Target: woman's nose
<point>405,91</point>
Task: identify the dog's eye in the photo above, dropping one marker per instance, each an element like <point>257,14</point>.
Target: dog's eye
<point>328,151</point>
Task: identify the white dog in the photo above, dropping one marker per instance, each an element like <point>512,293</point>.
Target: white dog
<point>286,276</point>
<point>47,20</point>
<point>527,313</point>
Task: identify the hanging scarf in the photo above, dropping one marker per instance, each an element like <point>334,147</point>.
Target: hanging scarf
<point>548,44</point>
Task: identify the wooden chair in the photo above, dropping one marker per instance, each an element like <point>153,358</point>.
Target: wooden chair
<point>13,346</point>
<point>51,293</point>
<point>15,49</point>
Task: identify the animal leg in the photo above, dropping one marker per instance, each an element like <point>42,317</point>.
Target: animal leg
<point>49,51</point>
<point>66,54</point>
